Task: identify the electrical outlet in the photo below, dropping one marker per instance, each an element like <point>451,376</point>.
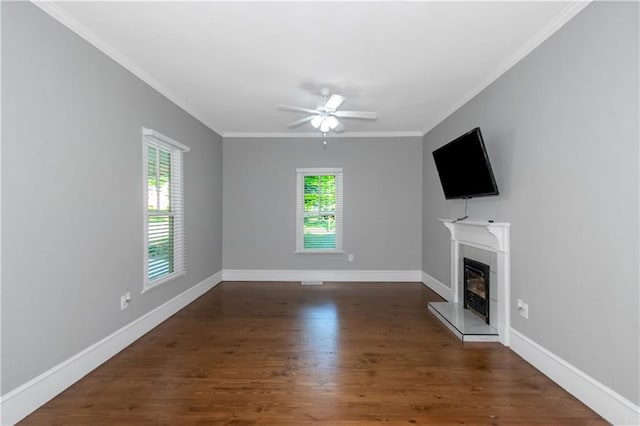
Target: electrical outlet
<point>523,308</point>
<point>124,301</point>
<point>350,257</point>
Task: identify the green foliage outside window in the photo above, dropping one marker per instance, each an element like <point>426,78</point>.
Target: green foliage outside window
<point>160,227</point>
<point>319,211</point>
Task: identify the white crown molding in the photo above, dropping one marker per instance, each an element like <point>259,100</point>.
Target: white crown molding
<point>437,286</point>
<point>21,401</point>
<point>603,400</point>
<point>544,33</point>
<point>330,136</point>
<point>99,43</point>
<point>320,275</point>
<point>74,25</point>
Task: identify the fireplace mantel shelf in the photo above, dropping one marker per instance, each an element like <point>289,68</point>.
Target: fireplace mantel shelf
<point>476,223</point>
<point>492,236</point>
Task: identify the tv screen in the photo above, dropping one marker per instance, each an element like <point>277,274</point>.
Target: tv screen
<point>464,168</point>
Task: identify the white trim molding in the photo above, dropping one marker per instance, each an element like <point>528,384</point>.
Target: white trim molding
<point>60,15</point>
<point>330,136</point>
<point>321,275</point>
<point>440,288</point>
<point>91,37</point>
<point>609,404</point>
<point>159,137</point>
<point>21,401</point>
<point>571,10</point>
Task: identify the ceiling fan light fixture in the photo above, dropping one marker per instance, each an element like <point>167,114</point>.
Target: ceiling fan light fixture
<point>327,117</point>
<point>333,122</point>
<point>316,121</point>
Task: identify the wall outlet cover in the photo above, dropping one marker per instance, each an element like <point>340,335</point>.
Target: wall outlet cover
<point>124,301</point>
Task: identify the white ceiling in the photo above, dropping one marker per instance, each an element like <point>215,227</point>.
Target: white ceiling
<point>230,63</point>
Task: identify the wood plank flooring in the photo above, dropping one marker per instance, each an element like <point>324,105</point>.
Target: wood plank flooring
<point>337,354</point>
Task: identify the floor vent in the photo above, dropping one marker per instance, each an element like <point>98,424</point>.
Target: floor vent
<point>312,282</point>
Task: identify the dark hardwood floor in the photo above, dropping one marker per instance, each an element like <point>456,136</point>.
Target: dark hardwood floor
<point>286,354</point>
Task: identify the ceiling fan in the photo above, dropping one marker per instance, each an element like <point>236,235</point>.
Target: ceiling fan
<point>325,117</point>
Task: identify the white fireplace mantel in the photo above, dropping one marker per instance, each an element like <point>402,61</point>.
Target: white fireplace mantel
<point>490,236</point>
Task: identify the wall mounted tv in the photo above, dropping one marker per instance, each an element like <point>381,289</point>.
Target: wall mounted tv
<point>464,168</point>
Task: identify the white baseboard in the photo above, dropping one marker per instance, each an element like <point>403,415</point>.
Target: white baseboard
<point>18,403</point>
<point>319,275</point>
<point>435,285</point>
<point>609,404</point>
<point>21,401</point>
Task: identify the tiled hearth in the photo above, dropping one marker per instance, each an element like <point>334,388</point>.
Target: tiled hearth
<point>463,323</point>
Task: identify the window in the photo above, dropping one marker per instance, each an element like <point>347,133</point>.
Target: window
<point>163,208</point>
<point>319,211</point>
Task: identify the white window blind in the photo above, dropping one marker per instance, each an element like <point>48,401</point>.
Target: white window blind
<point>163,208</point>
<point>319,205</point>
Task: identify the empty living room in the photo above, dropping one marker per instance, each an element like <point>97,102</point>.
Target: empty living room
<point>320,212</point>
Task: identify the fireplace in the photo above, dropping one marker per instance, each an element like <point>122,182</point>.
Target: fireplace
<point>487,236</point>
<point>476,288</point>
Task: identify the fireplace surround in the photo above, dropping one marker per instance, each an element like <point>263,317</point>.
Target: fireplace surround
<point>488,236</point>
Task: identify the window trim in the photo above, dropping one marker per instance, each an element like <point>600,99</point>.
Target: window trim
<point>339,216</point>
<point>176,149</point>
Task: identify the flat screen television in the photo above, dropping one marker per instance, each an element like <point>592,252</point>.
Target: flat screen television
<point>464,168</point>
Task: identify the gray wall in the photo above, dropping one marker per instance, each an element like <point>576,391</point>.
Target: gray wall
<point>72,194</point>
<point>561,129</point>
<point>382,202</point>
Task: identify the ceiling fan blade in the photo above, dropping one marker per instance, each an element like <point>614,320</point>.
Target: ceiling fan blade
<point>297,109</point>
<point>367,115</point>
<point>334,102</point>
<point>339,128</point>
<point>301,121</point>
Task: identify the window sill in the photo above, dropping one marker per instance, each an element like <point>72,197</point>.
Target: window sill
<point>156,283</point>
<point>325,251</point>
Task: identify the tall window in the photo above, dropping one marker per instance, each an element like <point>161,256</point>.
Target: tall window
<point>163,201</point>
<point>319,211</point>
